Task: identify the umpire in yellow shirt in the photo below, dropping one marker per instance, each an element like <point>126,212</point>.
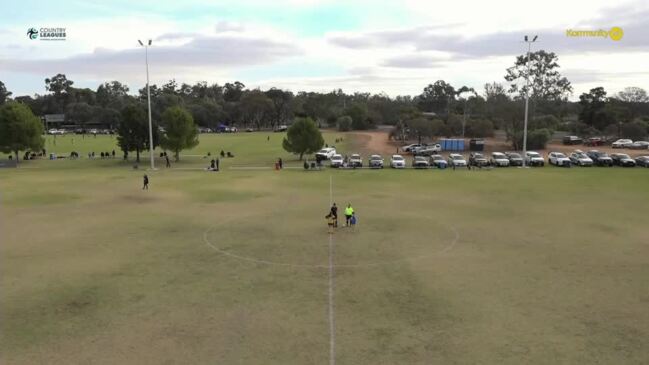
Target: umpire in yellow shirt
<point>349,211</point>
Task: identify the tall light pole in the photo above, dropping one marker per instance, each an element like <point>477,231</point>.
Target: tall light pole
<point>527,96</point>
<point>148,97</point>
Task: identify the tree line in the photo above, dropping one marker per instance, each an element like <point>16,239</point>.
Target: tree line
<point>441,110</point>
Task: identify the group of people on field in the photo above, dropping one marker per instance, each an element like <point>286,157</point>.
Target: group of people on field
<point>332,217</point>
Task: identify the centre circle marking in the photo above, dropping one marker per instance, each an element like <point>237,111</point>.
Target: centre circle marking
<point>446,249</point>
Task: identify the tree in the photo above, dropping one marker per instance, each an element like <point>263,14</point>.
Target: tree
<point>181,132</point>
<point>4,94</point>
<point>593,104</point>
<point>436,98</point>
<point>20,129</point>
<point>479,128</point>
<point>536,139</point>
<point>80,113</point>
<point>60,88</point>
<point>255,107</point>
<point>344,123</point>
<point>358,112</point>
<point>633,95</point>
<point>133,130</point>
<point>546,82</point>
<point>111,94</point>
<point>281,105</point>
<point>303,137</point>
<point>233,92</point>
<point>634,130</point>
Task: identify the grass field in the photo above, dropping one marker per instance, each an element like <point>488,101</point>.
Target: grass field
<point>510,266</point>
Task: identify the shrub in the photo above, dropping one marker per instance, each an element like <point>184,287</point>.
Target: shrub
<point>344,123</point>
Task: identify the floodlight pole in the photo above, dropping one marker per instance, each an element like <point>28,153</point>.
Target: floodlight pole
<point>148,97</point>
<point>527,97</point>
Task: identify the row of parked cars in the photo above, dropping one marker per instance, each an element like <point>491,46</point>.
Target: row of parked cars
<point>596,158</point>
<point>478,159</point>
<point>599,141</point>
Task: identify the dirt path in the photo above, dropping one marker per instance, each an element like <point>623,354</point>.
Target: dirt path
<point>370,142</point>
<point>374,142</point>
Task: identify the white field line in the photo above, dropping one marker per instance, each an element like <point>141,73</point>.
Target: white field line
<point>255,260</point>
<point>332,319</point>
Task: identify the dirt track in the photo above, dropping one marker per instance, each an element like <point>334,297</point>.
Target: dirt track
<point>369,142</point>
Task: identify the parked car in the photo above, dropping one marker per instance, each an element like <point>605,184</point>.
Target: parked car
<point>533,158</point>
<point>397,162</point>
<point>579,158</point>
<point>642,161</point>
<point>376,162</point>
<point>600,158</point>
<point>410,147</point>
<point>515,159</point>
<point>639,145</point>
<point>456,160</point>
<point>572,140</point>
<point>249,130</point>
<point>281,128</point>
<point>336,161</point>
<point>594,141</point>
<point>499,159</point>
<point>477,159</point>
<point>438,161</point>
<point>427,150</point>
<point>355,160</point>
<point>558,159</point>
<point>325,153</point>
<point>420,162</point>
<point>622,143</point>
<point>622,159</point>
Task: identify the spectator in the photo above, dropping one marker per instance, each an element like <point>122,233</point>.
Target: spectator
<point>167,161</point>
<point>113,153</point>
<point>217,164</point>
<point>281,163</point>
<point>146,182</point>
<point>222,153</point>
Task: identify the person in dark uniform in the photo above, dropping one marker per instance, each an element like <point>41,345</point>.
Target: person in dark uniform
<point>281,164</point>
<point>334,213</point>
<point>146,183</point>
<point>217,164</point>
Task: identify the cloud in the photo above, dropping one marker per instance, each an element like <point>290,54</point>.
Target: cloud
<point>450,40</point>
<point>411,61</point>
<point>227,26</point>
<point>207,52</point>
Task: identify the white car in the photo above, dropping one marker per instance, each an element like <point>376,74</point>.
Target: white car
<point>355,160</point>
<point>533,158</point>
<point>558,159</point>
<point>622,143</point>
<point>456,160</point>
<point>499,159</point>
<point>397,162</point>
<point>427,150</point>
<point>326,153</point>
<point>580,159</point>
<point>639,145</point>
<point>410,147</point>
<point>336,160</point>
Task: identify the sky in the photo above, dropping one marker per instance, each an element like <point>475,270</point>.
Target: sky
<point>393,47</point>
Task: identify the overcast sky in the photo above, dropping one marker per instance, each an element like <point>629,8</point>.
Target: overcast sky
<point>395,47</point>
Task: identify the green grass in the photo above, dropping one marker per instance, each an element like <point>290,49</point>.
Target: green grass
<point>257,148</point>
<point>551,265</point>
